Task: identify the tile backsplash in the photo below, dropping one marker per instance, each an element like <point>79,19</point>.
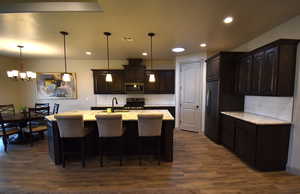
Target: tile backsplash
<point>276,107</point>
<point>150,99</point>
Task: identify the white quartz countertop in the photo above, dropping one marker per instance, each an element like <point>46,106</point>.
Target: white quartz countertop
<point>131,115</point>
<point>256,119</point>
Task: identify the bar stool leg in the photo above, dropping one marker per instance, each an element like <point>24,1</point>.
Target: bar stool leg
<point>121,149</point>
<point>83,152</point>
<point>101,151</point>
<point>140,147</point>
<point>62,153</point>
<point>158,150</point>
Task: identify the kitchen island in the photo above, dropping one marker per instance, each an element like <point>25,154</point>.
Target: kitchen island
<point>130,122</point>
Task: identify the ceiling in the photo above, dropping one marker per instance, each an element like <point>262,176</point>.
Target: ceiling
<point>176,23</point>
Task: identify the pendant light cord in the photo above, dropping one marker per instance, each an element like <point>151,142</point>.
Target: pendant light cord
<point>107,52</point>
<point>65,53</point>
<point>151,51</point>
<point>21,56</point>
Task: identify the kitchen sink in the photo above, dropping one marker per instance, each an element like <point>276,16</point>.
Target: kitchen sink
<point>117,111</point>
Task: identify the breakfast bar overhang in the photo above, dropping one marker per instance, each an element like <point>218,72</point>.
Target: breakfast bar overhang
<point>130,122</point>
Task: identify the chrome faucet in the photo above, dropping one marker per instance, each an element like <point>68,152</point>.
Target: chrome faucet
<point>112,104</point>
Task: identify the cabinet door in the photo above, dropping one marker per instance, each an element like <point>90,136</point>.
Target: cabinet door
<point>269,72</point>
<point>245,69</point>
<point>212,111</point>
<point>258,60</point>
<point>228,132</point>
<point>103,87</point>
<point>245,141</point>
<point>167,81</point>
<point>152,87</point>
<point>117,85</point>
<point>213,69</point>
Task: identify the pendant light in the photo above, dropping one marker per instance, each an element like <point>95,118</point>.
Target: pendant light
<point>108,77</point>
<point>151,76</point>
<point>66,77</point>
<point>23,75</point>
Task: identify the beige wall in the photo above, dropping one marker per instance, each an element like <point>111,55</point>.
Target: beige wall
<point>291,30</point>
<point>9,89</point>
<point>86,97</point>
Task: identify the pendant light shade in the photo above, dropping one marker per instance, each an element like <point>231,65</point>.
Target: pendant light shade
<point>151,76</point>
<point>108,77</point>
<point>66,77</point>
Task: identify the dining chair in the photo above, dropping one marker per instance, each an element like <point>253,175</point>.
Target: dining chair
<point>36,122</point>
<point>7,108</point>
<point>110,127</point>
<point>42,105</point>
<point>55,108</point>
<point>6,131</point>
<point>72,127</point>
<point>149,125</point>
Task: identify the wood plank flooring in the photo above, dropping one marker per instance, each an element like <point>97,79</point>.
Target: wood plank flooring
<point>199,165</point>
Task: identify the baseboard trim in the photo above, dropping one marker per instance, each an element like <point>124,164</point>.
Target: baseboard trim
<point>294,171</point>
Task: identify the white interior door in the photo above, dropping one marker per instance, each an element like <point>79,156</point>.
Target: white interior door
<point>190,97</point>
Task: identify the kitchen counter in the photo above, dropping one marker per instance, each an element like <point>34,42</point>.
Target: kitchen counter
<point>130,123</point>
<point>256,119</point>
<point>130,115</point>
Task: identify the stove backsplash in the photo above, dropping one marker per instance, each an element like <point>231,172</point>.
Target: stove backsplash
<point>150,99</point>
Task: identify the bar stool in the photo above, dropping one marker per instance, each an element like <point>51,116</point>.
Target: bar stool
<point>149,125</point>
<point>72,126</point>
<point>110,126</point>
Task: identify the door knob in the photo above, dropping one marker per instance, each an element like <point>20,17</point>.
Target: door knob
<point>197,106</point>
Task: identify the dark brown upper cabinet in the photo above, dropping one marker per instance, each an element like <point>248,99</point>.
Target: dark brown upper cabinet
<point>213,69</point>
<point>258,60</point>
<point>164,84</point>
<point>103,87</point>
<point>244,75</point>
<point>165,81</point>
<point>272,70</point>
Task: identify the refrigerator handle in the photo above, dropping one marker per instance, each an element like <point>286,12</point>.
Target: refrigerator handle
<point>207,98</point>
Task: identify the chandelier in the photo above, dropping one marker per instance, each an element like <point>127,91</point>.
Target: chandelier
<point>22,75</point>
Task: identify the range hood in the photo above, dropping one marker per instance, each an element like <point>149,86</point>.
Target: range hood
<point>134,76</point>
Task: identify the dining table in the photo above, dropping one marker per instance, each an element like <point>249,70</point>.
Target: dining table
<point>19,119</point>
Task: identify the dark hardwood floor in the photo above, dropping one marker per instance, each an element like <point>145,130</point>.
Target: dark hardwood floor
<point>199,165</point>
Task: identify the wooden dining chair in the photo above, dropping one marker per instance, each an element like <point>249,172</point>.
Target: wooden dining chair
<point>6,131</point>
<point>55,108</point>
<point>149,126</point>
<point>110,127</point>
<point>36,122</point>
<point>72,127</point>
<point>7,109</point>
<point>42,105</point>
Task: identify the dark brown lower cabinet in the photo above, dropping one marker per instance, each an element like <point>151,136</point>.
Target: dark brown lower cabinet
<point>228,132</point>
<point>245,141</point>
<point>263,147</point>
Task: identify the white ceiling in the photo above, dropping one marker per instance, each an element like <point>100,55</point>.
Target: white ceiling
<point>185,23</point>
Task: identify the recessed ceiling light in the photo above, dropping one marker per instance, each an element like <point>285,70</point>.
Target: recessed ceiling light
<point>144,54</point>
<point>228,20</point>
<point>178,50</point>
<point>88,53</point>
<point>128,39</point>
<point>203,44</point>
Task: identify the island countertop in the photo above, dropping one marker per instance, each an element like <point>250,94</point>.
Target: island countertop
<point>130,115</point>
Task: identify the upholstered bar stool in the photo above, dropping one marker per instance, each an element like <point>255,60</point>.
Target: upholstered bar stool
<point>110,126</point>
<point>72,126</point>
<point>149,125</point>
